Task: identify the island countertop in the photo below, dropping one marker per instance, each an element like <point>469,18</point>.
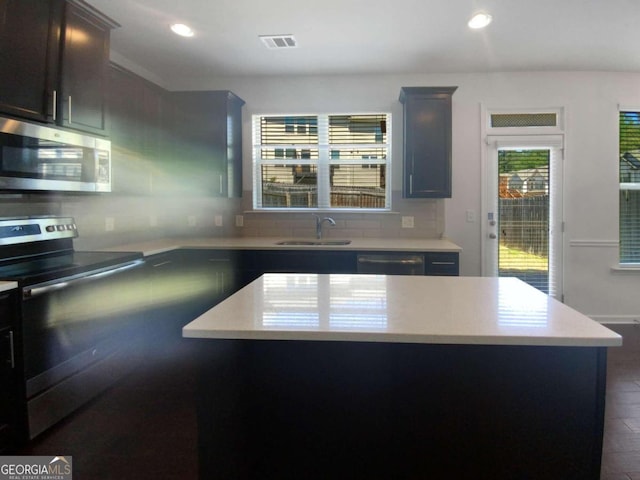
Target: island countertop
<point>398,309</point>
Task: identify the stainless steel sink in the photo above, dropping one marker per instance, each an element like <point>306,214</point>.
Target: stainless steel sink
<point>314,242</point>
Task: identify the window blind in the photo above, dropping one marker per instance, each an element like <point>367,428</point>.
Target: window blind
<point>321,161</point>
<point>629,170</point>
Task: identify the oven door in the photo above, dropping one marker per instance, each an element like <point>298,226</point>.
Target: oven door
<point>74,332</point>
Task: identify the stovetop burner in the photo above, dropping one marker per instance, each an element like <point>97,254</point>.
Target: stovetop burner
<point>39,249</point>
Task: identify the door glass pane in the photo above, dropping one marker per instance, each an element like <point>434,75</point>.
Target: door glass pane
<point>523,216</point>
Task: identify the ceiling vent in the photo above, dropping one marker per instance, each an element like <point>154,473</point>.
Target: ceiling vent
<point>279,41</point>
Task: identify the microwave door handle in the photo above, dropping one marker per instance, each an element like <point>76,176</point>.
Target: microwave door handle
<point>41,289</point>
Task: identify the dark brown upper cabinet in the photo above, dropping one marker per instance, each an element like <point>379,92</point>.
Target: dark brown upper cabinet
<point>84,63</point>
<point>53,62</point>
<point>29,57</point>
<point>427,141</point>
<point>203,155</point>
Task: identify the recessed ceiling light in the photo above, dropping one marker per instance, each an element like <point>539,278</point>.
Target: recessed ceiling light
<point>480,20</point>
<point>182,30</point>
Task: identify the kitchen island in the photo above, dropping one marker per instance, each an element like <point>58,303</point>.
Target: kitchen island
<point>372,376</point>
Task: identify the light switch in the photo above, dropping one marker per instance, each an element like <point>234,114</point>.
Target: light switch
<point>471,216</point>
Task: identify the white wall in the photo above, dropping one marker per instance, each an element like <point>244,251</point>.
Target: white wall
<point>590,100</point>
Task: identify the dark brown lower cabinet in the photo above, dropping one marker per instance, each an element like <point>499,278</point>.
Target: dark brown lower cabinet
<point>9,378</point>
<point>358,409</point>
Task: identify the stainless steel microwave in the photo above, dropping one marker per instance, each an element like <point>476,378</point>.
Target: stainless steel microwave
<point>41,158</point>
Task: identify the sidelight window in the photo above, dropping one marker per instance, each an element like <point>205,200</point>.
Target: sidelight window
<point>337,161</point>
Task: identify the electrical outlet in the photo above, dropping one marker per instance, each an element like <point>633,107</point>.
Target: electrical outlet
<point>218,220</point>
<point>407,222</point>
<point>191,220</point>
<point>109,224</point>
<point>239,221</point>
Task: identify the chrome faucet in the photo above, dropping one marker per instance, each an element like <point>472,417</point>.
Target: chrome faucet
<point>319,223</point>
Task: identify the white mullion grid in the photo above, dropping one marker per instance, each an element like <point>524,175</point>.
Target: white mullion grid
<point>324,188</point>
<point>324,161</point>
<point>359,146</point>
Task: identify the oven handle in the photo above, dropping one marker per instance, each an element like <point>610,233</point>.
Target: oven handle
<point>60,283</point>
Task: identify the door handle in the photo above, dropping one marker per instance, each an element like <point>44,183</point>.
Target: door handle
<point>493,236</point>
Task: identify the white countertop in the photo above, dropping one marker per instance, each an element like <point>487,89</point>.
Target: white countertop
<point>271,243</point>
<point>401,309</point>
<point>4,286</point>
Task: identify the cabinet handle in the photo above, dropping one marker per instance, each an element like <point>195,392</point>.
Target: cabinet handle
<point>55,105</point>
<point>69,106</point>
<point>161,264</point>
<point>411,183</point>
<point>443,263</point>
<point>221,185</point>
<point>12,358</point>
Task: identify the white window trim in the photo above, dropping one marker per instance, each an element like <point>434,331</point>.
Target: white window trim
<point>489,130</point>
<point>629,268</point>
<point>323,163</point>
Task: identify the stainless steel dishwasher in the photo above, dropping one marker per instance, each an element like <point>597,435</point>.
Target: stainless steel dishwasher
<point>391,263</point>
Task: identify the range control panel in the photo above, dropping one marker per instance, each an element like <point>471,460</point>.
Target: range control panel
<point>34,229</point>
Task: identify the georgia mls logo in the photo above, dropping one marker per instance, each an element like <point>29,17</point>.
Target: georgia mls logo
<point>35,468</point>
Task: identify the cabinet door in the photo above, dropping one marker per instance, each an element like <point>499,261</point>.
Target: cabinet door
<point>427,142</point>
<point>204,144</point>
<point>29,39</point>
<point>8,380</point>
<point>135,117</point>
<point>210,276</point>
<point>85,55</point>
<point>124,95</point>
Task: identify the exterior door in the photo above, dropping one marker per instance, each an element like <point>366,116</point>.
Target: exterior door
<point>522,212</point>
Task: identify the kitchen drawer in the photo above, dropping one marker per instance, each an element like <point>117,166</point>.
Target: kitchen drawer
<point>442,263</point>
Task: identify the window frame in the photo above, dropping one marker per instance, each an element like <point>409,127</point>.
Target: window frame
<point>625,187</point>
<point>323,164</point>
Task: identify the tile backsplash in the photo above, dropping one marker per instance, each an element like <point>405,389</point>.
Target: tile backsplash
<point>106,220</point>
<point>426,216</point>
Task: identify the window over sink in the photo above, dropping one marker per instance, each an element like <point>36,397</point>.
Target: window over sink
<point>327,161</point>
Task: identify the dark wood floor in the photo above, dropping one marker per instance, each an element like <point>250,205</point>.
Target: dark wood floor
<point>145,427</point>
<point>621,451</point>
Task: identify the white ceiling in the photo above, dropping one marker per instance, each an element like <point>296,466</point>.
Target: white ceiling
<point>371,36</point>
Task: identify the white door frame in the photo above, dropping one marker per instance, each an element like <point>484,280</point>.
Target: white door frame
<point>492,144</point>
